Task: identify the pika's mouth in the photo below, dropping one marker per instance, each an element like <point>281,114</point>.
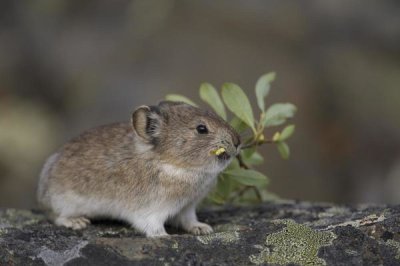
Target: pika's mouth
<point>224,156</point>
<point>221,154</point>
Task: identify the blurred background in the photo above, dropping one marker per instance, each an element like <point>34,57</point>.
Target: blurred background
<point>66,66</point>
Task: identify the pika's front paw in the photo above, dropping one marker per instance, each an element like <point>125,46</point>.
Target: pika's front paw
<point>200,229</point>
<point>73,223</point>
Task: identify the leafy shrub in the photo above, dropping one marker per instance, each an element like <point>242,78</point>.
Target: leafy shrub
<point>240,183</point>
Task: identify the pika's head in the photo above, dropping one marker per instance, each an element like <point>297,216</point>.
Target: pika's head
<point>186,136</point>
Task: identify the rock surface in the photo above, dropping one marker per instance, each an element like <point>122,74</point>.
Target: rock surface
<point>281,233</point>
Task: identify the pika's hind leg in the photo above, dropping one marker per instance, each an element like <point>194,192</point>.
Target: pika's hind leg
<point>74,223</point>
<point>150,226</point>
<point>70,210</point>
<point>151,223</point>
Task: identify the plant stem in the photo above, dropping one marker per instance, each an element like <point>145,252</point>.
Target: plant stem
<point>239,193</point>
<point>258,194</point>
<point>242,164</point>
<point>257,143</point>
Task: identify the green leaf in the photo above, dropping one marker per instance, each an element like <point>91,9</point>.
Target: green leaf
<point>214,197</point>
<point>255,159</point>
<point>268,196</point>
<point>287,132</point>
<point>284,150</point>
<point>278,113</point>
<point>224,186</point>
<point>251,156</point>
<point>237,101</point>
<point>247,177</point>
<point>249,197</point>
<point>179,98</point>
<point>210,95</point>
<point>263,86</point>
<point>234,164</point>
<point>238,125</point>
<point>247,153</point>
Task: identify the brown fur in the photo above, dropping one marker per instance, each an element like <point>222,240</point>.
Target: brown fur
<point>122,162</point>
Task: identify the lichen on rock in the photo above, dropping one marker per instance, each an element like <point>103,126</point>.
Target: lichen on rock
<point>222,237</point>
<point>276,233</point>
<point>54,258</point>
<point>18,218</point>
<point>296,243</point>
<point>396,246</point>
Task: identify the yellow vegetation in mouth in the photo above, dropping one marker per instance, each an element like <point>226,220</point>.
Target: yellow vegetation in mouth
<point>219,151</point>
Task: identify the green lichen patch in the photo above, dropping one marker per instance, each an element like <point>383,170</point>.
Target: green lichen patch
<point>296,243</point>
<point>222,237</point>
<point>395,245</point>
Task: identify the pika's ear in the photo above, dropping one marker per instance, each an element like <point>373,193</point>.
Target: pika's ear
<point>147,121</point>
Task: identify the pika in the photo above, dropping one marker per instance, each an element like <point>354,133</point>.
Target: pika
<point>150,171</point>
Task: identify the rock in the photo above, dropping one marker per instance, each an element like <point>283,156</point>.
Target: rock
<point>280,233</point>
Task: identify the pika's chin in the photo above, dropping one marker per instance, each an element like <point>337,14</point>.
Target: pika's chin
<point>220,164</point>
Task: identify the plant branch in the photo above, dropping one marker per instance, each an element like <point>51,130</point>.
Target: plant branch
<point>239,193</point>
<point>256,143</point>
<point>242,164</point>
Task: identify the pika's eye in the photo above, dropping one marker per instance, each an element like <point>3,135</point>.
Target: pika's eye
<point>202,129</point>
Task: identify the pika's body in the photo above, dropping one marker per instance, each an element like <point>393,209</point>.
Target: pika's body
<point>153,170</point>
